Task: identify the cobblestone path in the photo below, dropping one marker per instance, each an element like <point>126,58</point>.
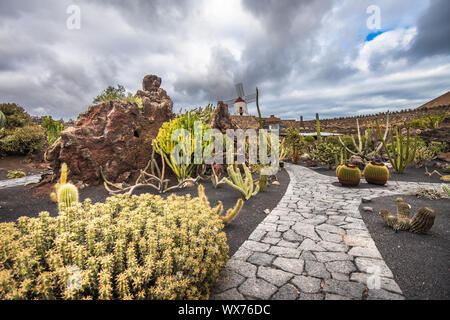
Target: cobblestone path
<point>313,245</point>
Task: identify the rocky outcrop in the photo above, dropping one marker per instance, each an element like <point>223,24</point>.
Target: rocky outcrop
<point>114,135</point>
<point>222,118</point>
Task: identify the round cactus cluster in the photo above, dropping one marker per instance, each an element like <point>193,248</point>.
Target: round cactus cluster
<point>376,173</point>
<point>130,247</point>
<point>348,175</point>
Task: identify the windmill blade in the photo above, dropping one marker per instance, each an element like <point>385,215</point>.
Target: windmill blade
<point>240,90</point>
<point>250,98</point>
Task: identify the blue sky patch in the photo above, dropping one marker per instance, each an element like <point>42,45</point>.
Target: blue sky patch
<point>373,35</point>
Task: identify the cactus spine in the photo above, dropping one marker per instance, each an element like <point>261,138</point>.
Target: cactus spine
<point>2,120</point>
<point>349,175</point>
<point>399,151</point>
<point>244,186</point>
<point>376,173</point>
<point>68,195</point>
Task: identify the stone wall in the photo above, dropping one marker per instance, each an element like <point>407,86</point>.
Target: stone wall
<point>348,124</point>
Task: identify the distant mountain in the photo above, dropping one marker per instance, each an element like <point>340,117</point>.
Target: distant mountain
<point>443,100</point>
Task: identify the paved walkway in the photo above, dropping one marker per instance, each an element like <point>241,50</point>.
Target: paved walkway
<point>9,183</point>
<point>313,245</point>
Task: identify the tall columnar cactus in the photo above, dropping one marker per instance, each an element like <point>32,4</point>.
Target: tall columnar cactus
<point>244,186</point>
<point>62,181</point>
<point>68,194</point>
<point>2,120</point>
<point>319,136</point>
<point>261,124</point>
<point>400,152</point>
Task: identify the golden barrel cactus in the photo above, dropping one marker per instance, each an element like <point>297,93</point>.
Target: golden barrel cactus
<point>423,220</point>
<point>376,173</point>
<point>349,175</point>
<point>68,194</point>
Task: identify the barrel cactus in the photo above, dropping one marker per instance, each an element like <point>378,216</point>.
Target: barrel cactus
<point>2,120</point>
<point>376,173</point>
<point>68,194</point>
<point>349,175</point>
<point>423,220</point>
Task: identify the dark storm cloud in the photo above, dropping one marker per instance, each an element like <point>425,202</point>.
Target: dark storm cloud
<point>433,31</point>
<point>280,46</point>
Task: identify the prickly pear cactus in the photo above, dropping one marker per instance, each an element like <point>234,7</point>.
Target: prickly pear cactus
<point>423,220</point>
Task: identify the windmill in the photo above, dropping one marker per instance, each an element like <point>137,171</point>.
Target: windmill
<point>240,103</point>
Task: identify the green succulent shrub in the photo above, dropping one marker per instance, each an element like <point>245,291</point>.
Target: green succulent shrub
<point>327,153</point>
<point>439,147</point>
<point>13,174</point>
<point>165,145</point>
<point>16,117</point>
<point>430,122</point>
<point>294,142</point>
<point>53,129</point>
<point>22,140</point>
<point>130,247</point>
<point>309,139</point>
<point>111,93</point>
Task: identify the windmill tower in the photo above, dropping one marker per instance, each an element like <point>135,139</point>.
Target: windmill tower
<point>240,104</point>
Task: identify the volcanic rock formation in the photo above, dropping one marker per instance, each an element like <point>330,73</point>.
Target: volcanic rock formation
<point>114,135</point>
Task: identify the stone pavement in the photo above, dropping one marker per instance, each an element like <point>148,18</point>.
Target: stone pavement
<point>313,246</point>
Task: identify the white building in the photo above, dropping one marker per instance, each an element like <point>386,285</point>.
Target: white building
<point>240,107</point>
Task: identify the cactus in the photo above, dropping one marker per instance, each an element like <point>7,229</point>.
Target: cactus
<point>376,173</point>
<point>446,190</point>
<point>399,151</point>
<point>388,218</point>
<point>244,186</point>
<point>364,151</point>
<point>423,220</point>
<point>261,123</point>
<point>2,120</point>
<point>403,208</point>
<point>67,194</point>
<point>319,136</point>
<point>349,175</point>
<point>263,182</point>
<point>62,181</point>
<point>231,213</point>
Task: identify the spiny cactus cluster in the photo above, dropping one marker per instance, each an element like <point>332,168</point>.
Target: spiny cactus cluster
<point>422,221</point>
<point>231,213</point>
<point>129,247</point>
<point>243,185</point>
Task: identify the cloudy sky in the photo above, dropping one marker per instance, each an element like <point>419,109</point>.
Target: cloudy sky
<point>305,56</point>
